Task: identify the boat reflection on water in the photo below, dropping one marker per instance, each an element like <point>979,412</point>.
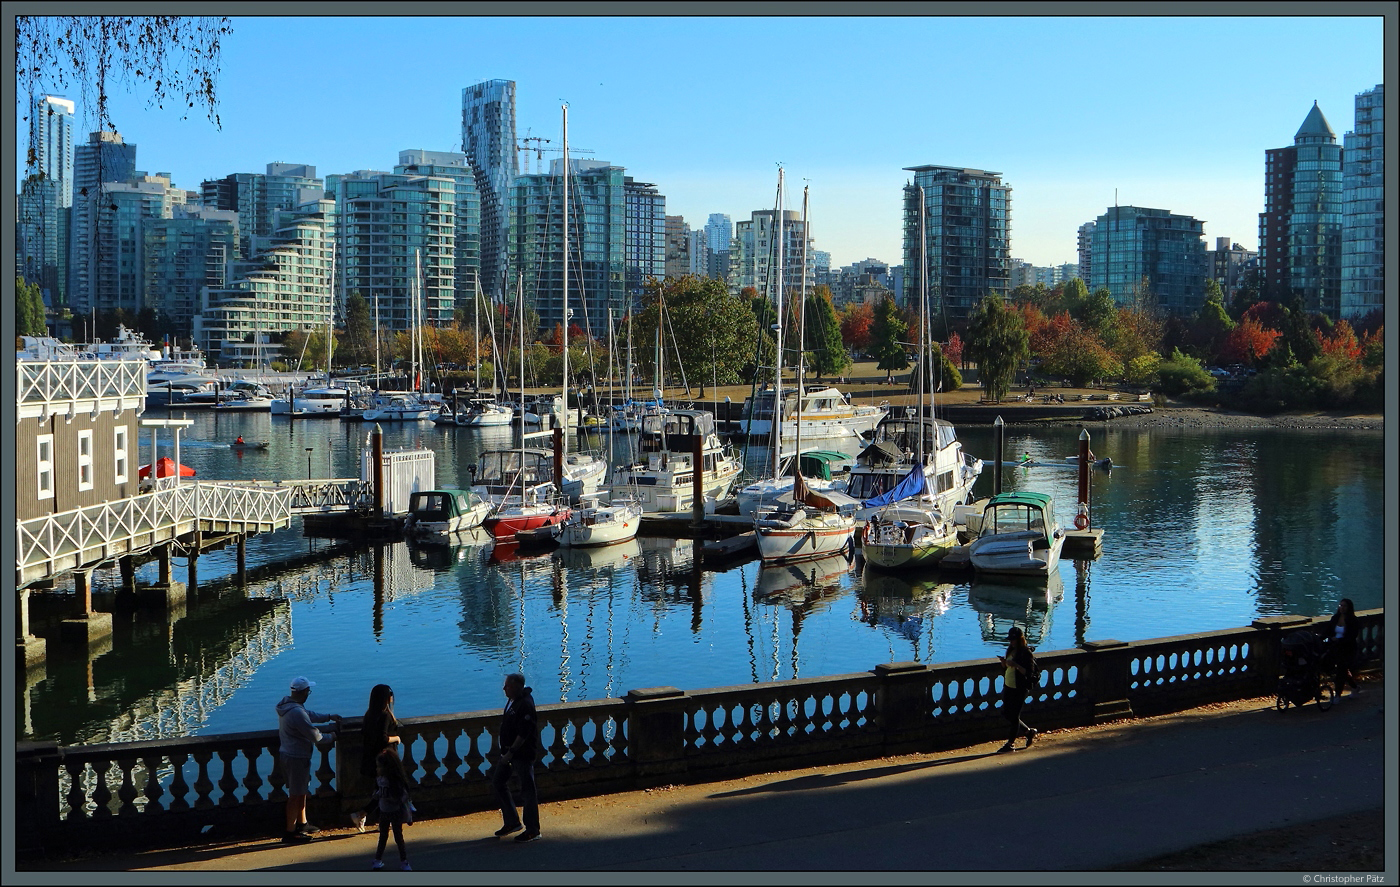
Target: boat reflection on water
<point>904,604</point>
<point>1000,605</point>
<point>441,553</point>
<point>801,585</point>
<point>601,557</point>
<point>665,557</point>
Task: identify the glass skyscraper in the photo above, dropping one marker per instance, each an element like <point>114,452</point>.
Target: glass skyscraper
<point>1300,230</point>
<point>646,235</point>
<point>466,224</point>
<point>967,229</point>
<point>1363,208</point>
<point>597,239</point>
<point>105,158</point>
<point>488,140</point>
<point>1133,245</point>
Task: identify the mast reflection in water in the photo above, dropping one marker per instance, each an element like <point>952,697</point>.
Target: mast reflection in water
<point>1203,531</point>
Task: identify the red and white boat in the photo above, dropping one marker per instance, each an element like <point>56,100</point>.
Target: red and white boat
<point>520,484</point>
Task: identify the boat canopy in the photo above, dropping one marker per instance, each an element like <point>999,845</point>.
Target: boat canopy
<point>528,466</point>
<point>819,463</point>
<point>676,431</point>
<point>913,484</point>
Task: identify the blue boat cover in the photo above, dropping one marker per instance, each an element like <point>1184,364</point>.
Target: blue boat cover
<point>912,485</point>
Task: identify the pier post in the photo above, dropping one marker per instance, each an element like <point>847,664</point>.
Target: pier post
<point>242,559</point>
<point>31,650</point>
<point>194,565</point>
<point>1001,440</point>
<point>1084,475</point>
<point>376,437</point>
<point>697,483</point>
<point>91,627</point>
<point>558,458</point>
<point>163,563</point>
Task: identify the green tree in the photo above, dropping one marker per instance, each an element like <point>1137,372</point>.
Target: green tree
<point>29,309</point>
<point>1212,325</point>
<point>1183,374</point>
<point>708,334</point>
<point>1299,333</point>
<point>359,330</point>
<point>1098,313</point>
<point>826,354</point>
<point>998,341</point>
<point>887,338</point>
<point>1073,295</point>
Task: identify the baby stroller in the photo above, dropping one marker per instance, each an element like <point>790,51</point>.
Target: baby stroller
<point>1302,677</point>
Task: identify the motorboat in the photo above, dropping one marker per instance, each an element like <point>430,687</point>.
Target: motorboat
<point>825,413</point>
<point>406,407</point>
<point>594,523</point>
<point>1019,536</point>
<point>324,400</point>
<point>186,392</point>
<point>886,461</point>
<point>478,412</point>
<point>662,479</point>
<point>439,514</point>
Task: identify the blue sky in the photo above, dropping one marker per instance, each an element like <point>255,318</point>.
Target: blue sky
<point>1173,112</point>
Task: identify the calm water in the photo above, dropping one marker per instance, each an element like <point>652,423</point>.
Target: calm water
<point>1204,530</point>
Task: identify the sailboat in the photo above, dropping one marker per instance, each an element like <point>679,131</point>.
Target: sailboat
<point>815,524</point>
<point>406,406</point>
<point>913,529</point>
<point>520,482</point>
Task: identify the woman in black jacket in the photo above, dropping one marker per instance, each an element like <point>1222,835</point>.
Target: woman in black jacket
<point>1020,667</point>
<point>379,731</point>
<point>1341,645</point>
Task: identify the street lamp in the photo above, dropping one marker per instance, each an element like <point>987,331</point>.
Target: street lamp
<point>308,463</point>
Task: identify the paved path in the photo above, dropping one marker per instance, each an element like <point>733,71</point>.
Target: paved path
<point>1083,799</point>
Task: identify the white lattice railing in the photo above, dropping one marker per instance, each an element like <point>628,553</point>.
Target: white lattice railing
<point>71,539</point>
<point>326,494</point>
<point>47,381</point>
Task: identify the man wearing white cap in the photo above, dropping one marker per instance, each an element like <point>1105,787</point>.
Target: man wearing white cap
<point>298,739</point>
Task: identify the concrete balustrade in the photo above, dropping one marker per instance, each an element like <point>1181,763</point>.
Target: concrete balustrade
<point>170,792</point>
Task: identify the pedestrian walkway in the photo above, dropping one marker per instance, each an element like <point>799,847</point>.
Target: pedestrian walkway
<point>1079,800</point>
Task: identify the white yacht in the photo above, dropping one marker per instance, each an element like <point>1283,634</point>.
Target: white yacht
<point>663,479</point>
<point>825,413</point>
<point>949,472</point>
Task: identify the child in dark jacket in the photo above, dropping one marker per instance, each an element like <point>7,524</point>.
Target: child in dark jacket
<point>395,806</point>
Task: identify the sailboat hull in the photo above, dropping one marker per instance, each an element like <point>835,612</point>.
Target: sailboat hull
<point>806,541</point>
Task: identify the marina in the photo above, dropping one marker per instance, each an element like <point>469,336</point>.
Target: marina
<point>589,623</point>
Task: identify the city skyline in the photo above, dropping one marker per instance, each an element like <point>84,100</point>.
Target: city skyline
<point>692,109</point>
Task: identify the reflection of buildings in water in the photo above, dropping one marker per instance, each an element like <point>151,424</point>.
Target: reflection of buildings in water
<point>903,605</point>
<point>1000,605</point>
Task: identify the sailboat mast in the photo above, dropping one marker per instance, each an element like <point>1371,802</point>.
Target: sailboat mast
<point>330,318</point>
<point>923,329</point>
<point>476,331</point>
<point>778,364</point>
<point>801,343</point>
<point>564,387</point>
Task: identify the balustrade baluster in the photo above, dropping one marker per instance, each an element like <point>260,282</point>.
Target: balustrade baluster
<point>203,785</point>
<point>152,789</point>
<point>325,774</point>
<point>101,793</point>
<point>77,797</point>
<point>228,784</point>
<point>430,760</point>
<point>126,792</point>
<point>557,750</point>
<point>578,748</point>
<point>178,787</point>
<point>451,761</point>
<point>277,780</point>
<point>474,758</point>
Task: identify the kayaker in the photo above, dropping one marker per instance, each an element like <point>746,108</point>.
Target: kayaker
<point>239,442</point>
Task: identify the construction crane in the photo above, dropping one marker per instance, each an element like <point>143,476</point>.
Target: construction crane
<point>525,149</point>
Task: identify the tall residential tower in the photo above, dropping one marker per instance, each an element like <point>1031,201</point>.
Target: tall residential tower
<point>1363,208</point>
<point>488,140</point>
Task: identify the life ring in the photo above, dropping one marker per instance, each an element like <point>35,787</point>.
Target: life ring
<point>1081,521</point>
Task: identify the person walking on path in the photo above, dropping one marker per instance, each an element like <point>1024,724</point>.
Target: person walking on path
<point>298,736</point>
<point>519,734</point>
<point>395,806</point>
<point>1016,682</point>
<point>379,730</point>
<point>1341,646</point>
